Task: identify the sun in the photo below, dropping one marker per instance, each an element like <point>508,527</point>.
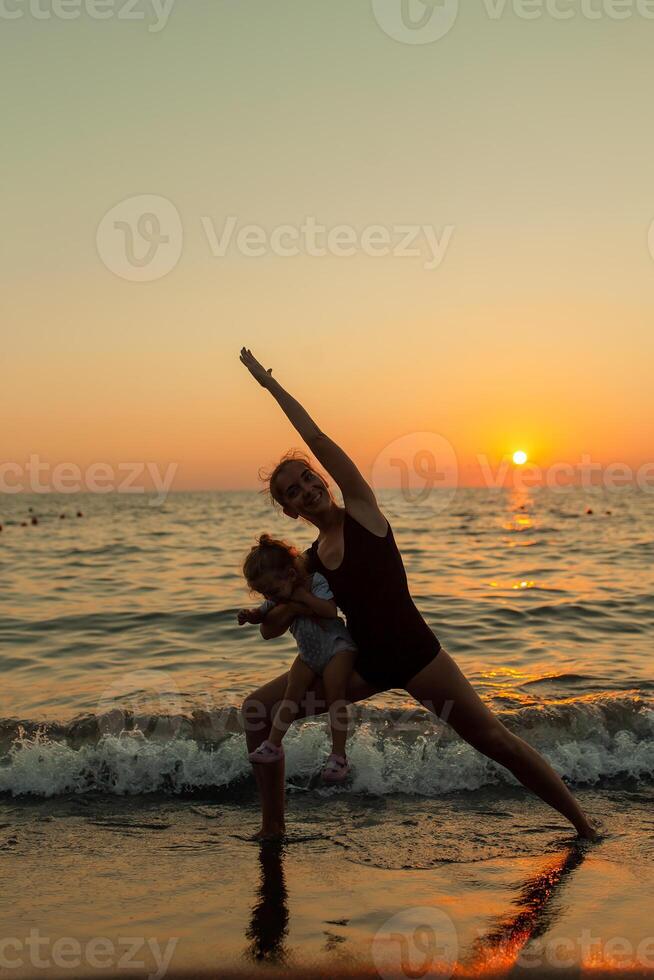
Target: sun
<point>519,457</point>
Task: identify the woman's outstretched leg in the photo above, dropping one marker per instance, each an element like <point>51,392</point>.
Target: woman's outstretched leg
<point>257,712</point>
<point>443,689</point>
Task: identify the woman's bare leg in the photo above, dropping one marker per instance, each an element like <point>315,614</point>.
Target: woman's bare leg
<point>258,711</point>
<point>443,689</point>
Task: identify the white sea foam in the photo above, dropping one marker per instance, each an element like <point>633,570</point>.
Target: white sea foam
<point>586,741</point>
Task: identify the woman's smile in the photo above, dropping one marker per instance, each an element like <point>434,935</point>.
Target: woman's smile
<point>313,497</point>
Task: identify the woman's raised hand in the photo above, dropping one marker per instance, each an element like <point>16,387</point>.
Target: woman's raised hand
<point>257,370</point>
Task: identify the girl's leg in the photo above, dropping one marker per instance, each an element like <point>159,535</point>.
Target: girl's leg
<point>335,678</point>
<point>257,712</point>
<point>442,688</point>
<point>300,677</point>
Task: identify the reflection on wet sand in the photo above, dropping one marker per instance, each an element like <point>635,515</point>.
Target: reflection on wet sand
<point>268,926</point>
<point>500,948</point>
<point>497,951</point>
<point>518,942</point>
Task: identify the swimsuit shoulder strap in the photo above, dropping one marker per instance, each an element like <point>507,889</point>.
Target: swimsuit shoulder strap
<point>311,556</point>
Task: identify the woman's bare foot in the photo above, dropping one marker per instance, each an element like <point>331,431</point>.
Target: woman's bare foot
<point>590,830</point>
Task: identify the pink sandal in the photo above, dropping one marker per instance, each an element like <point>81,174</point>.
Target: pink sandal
<point>336,769</point>
<point>266,753</point>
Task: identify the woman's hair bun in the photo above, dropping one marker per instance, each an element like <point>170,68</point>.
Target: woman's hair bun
<point>265,539</point>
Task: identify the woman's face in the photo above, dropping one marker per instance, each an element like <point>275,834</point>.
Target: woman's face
<point>302,492</point>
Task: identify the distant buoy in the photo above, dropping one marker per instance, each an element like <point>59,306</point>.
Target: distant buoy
<point>589,510</point>
<point>80,514</point>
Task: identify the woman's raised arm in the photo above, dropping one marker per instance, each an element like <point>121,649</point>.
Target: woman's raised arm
<point>337,463</point>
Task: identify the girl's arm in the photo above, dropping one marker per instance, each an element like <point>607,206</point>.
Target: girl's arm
<point>350,481</point>
<point>278,620</point>
<point>324,608</point>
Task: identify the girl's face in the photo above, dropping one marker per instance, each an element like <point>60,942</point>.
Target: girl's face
<point>302,492</point>
<point>276,587</point>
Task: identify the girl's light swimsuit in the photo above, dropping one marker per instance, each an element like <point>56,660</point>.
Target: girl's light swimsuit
<point>370,586</point>
<point>317,640</point>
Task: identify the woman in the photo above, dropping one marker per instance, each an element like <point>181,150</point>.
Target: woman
<point>356,552</point>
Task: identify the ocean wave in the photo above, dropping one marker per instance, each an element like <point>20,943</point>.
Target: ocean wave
<point>588,740</point>
<point>105,623</point>
<point>614,615</point>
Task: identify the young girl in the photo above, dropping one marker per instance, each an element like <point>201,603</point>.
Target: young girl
<point>325,648</point>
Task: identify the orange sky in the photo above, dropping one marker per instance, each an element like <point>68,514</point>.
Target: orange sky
<point>528,140</point>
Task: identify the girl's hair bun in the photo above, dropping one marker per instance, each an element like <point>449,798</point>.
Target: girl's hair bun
<point>268,555</point>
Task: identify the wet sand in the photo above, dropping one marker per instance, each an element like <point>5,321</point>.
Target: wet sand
<point>177,886</point>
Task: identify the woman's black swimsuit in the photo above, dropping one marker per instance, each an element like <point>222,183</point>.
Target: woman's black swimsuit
<point>371,588</point>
